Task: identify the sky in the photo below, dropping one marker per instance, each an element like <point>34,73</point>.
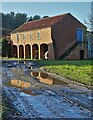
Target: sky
<point>46,0</point>
<point>78,9</point>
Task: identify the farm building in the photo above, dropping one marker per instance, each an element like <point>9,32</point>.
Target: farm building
<point>49,38</point>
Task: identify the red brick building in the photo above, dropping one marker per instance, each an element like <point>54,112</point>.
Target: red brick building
<point>49,38</point>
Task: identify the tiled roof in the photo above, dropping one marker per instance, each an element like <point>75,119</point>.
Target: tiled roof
<point>38,24</point>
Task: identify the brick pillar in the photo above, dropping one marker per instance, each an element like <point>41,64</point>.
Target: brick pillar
<point>31,53</point>
<point>24,51</point>
<point>17,51</point>
<point>50,52</point>
<point>39,52</point>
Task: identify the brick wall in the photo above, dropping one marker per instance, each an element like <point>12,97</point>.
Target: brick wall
<point>75,54</point>
<point>58,37</point>
<point>64,34</point>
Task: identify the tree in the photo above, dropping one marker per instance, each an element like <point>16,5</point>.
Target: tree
<point>12,21</point>
<point>45,17</point>
<point>89,22</point>
<point>4,47</point>
<point>30,19</point>
<point>1,20</point>
<point>7,21</point>
<point>12,14</point>
<point>36,17</point>
<point>19,19</point>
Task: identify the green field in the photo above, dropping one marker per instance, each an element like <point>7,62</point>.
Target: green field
<point>79,71</point>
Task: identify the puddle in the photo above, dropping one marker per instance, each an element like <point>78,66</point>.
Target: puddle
<point>19,84</point>
<point>90,97</point>
<point>82,92</point>
<point>8,65</point>
<point>47,79</point>
<point>29,92</point>
<point>30,67</point>
<point>22,85</point>
<point>21,64</point>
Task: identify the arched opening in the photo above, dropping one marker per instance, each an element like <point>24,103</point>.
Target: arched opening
<point>35,51</point>
<point>43,75</point>
<point>15,51</point>
<point>35,74</point>
<point>44,51</point>
<point>27,51</point>
<point>21,51</point>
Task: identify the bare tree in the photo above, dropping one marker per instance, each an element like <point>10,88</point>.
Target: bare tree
<point>90,22</point>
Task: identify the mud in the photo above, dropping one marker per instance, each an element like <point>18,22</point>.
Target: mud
<point>35,94</point>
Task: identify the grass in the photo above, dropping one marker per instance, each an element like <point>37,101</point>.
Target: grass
<point>62,62</point>
<point>79,71</point>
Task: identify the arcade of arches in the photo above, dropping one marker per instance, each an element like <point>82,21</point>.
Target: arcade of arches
<point>34,51</point>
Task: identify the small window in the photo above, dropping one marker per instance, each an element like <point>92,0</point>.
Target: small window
<point>24,36</point>
<point>39,35</point>
<point>31,37</point>
<point>17,37</point>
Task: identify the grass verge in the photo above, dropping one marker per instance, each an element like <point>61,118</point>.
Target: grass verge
<point>79,71</point>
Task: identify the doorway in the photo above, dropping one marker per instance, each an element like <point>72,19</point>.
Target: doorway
<point>81,54</point>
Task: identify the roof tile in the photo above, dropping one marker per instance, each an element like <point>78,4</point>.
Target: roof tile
<point>38,24</point>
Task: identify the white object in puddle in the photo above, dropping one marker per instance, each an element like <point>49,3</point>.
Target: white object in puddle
<point>15,63</point>
<point>90,97</point>
<point>25,95</point>
<point>50,92</point>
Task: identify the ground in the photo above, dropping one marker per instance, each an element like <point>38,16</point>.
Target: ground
<point>27,94</point>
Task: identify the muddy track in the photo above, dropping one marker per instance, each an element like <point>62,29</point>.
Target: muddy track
<point>49,101</point>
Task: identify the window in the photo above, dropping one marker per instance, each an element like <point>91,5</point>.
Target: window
<point>17,37</point>
<point>24,36</point>
<point>31,37</point>
<point>39,35</point>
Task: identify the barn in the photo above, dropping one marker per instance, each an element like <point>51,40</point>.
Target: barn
<point>50,38</point>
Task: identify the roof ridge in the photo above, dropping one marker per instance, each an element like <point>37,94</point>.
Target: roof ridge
<point>47,18</point>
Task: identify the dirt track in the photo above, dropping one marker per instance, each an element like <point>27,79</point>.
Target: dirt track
<point>32,99</point>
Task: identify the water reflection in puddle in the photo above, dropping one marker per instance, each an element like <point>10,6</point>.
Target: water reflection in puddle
<point>47,79</point>
<point>22,85</point>
<point>29,92</point>
<point>19,84</point>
